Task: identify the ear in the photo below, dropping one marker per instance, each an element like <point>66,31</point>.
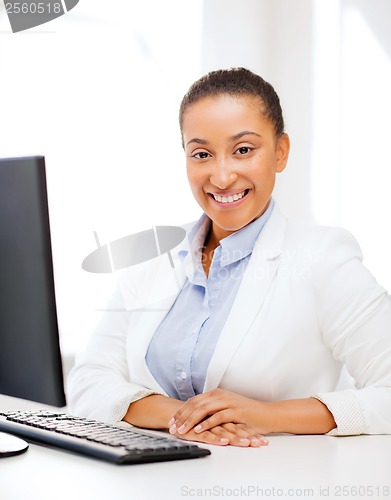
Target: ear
<point>282,152</point>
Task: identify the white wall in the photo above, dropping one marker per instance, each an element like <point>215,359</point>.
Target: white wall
<point>351,171</point>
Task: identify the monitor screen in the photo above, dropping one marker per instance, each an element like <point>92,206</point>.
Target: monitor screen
<point>30,357</point>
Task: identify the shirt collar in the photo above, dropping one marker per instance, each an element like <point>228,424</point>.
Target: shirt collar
<point>240,244</point>
<point>191,257</point>
<point>234,247</point>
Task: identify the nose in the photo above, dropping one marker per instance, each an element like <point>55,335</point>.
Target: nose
<point>223,174</point>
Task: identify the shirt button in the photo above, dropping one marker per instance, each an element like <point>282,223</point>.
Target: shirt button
<point>183,375</point>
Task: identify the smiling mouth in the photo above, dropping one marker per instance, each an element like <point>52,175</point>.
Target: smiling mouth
<point>231,198</point>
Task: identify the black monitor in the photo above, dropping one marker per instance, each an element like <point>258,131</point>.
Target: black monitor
<point>30,357</point>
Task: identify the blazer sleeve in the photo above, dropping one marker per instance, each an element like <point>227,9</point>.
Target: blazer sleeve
<point>354,315</point>
<point>99,385</point>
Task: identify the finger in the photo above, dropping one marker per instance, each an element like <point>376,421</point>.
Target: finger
<point>207,437</point>
<point>218,435</point>
<point>218,418</point>
<point>194,415</point>
<point>245,434</point>
<point>233,434</point>
<point>235,438</point>
<point>186,409</point>
<point>193,403</point>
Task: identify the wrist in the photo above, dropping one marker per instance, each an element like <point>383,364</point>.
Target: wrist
<point>265,416</point>
<point>152,412</point>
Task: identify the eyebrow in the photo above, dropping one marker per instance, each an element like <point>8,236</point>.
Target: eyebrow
<point>241,134</point>
<point>197,141</point>
<point>233,138</point>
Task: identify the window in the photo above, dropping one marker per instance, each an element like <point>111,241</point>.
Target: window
<point>351,168</point>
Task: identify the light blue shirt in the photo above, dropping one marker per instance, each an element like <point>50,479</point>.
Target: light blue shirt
<point>182,346</point>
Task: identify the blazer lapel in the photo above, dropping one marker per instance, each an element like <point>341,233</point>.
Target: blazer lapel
<point>251,295</point>
<point>158,288</point>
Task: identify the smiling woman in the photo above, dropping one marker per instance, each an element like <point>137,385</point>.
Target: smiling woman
<point>268,310</point>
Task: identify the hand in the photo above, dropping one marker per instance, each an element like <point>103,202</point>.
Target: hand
<point>215,408</point>
<point>222,435</point>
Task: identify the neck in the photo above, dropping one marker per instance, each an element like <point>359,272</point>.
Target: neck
<point>212,241</point>
<point>215,235</point>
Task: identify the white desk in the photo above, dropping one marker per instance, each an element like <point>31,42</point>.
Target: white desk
<point>314,467</point>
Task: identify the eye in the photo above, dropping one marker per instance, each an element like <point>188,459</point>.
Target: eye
<point>202,155</point>
<point>243,150</point>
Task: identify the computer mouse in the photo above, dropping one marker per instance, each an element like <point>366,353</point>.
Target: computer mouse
<point>11,445</point>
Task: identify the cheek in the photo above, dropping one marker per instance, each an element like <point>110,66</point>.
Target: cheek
<point>261,170</point>
<point>195,177</point>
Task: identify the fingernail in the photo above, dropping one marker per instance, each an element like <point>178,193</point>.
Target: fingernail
<point>171,422</point>
<point>172,429</point>
<point>245,441</point>
<point>198,428</point>
<point>263,440</point>
<point>224,440</point>
<point>181,429</point>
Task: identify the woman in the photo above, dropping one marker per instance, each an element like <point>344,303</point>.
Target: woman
<point>268,312</point>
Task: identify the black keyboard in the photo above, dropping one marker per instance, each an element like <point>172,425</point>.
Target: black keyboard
<point>96,439</point>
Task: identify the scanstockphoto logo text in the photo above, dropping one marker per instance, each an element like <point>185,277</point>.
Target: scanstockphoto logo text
<point>26,14</point>
<point>245,491</point>
<point>321,491</point>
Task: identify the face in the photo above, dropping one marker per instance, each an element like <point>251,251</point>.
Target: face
<point>232,157</point>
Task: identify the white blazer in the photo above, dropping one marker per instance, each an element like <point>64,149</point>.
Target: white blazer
<point>305,308</point>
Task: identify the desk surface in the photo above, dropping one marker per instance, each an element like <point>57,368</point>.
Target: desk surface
<point>314,467</point>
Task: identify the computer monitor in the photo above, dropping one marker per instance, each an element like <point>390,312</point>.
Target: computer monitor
<point>30,357</point>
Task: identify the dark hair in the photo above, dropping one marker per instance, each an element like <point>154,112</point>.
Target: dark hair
<point>236,82</point>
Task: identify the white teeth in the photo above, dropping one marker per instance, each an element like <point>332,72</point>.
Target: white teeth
<point>229,199</point>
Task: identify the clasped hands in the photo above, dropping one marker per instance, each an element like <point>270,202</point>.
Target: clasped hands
<point>219,417</point>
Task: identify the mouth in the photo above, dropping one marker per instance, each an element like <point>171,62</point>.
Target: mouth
<point>231,198</point>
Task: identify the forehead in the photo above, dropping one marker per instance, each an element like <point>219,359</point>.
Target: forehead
<point>225,114</point>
